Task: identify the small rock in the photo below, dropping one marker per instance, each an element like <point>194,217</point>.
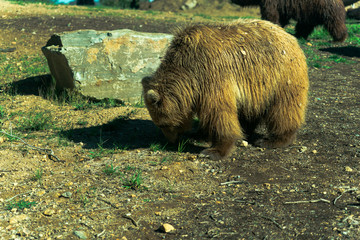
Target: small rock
<point>66,194</point>
<point>24,232</point>
<point>80,234</point>
<point>49,212</point>
<point>189,4</point>
<point>314,151</point>
<point>166,228</point>
<point>244,143</point>
<point>158,213</point>
<point>18,218</point>
<point>2,139</point>
<point>348,169</point>
<point>303,149</point>
<point>40,193</point>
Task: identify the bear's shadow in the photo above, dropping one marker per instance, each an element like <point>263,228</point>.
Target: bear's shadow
<point>127,134</point>
<point>347,51</point>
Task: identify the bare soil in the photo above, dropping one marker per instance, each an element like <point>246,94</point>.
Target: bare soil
<point>309,190</point>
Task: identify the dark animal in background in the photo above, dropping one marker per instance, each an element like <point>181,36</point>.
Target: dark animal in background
<point>308,14</point>
<point>232,77</point>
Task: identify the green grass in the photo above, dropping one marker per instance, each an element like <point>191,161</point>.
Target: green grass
<point>24,2</point>
<point>140,103</point>
<point>22,67</point>
<point>354,34</point>
<point>111,170</point>
<point>21,204</point>
<point>162,161</point>
<point>154,147</point>
<point>182,145</point>
<point>38,174</point>
<point>134,181</point>
<point>101,151</point>
<point>320,38</point>
<point>203,16</point>
<point>35,121</point>
<point>2,114</point>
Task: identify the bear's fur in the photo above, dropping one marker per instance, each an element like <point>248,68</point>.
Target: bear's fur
<point>232,77</point>
<point>308,14</point>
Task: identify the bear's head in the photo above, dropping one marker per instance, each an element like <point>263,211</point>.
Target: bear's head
<point>166,111</point>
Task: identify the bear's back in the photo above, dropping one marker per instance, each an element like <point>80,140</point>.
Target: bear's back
<point>245,50</point>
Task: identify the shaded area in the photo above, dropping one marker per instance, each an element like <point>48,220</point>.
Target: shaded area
<point>348,51</point>
<point>123,133</point>
<point>29,86</point>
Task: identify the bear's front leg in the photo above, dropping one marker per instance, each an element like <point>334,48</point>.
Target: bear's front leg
<point>224,130</point>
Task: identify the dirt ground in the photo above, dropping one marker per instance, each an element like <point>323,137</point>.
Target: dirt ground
<point>307,191</point>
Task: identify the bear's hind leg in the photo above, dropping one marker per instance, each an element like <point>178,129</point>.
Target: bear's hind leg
<point>337,30</point>
<point>283,120</point>
<point>278,140</point>
<point>303,30</point>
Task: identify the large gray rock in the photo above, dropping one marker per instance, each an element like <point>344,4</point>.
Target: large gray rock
<point>105,64</point>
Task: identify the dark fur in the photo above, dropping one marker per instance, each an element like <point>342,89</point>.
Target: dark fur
<point>308,14</point>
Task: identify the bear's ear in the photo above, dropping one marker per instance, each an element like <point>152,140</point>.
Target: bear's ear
<point>152,96</point>
<point>146,80</point>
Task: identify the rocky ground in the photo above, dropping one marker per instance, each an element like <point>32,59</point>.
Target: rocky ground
<point>103,170</point>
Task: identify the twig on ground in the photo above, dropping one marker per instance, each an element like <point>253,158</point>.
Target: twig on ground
<point>9,199</point>
<point>309,201</point>
<point>231,182</point>
<point>108,202</point>
<point>100,234</point>
<point>131,219</point>
<point>48,151</point>
<point>348,190</point>
<point>273,221</point>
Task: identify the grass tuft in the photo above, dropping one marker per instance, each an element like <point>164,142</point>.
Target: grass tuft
<point>35,121</point>
<point>21,204</point>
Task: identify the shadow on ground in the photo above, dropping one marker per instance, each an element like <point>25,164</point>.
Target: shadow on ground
<point>30,86</point>
<point>124,133</point>
<point>348,51</point>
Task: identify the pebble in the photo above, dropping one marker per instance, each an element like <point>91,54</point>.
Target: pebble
<point>40,193</point>
<point>66,194</point>
<point>303,149</point>
<point>49,212</point>
<point>18,218</point>
<point>244,143</point>
<point>166,228</point>
<point>348,169</point>
<point>80,234</point>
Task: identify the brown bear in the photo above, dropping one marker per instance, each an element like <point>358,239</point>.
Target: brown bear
<point>307,13</point>
<point>232,77</point>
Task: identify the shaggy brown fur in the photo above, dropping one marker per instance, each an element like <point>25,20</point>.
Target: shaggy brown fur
<point>307,13</point>
<point>232,77</point>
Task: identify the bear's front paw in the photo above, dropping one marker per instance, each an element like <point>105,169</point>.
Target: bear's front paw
<point>211,153</point>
